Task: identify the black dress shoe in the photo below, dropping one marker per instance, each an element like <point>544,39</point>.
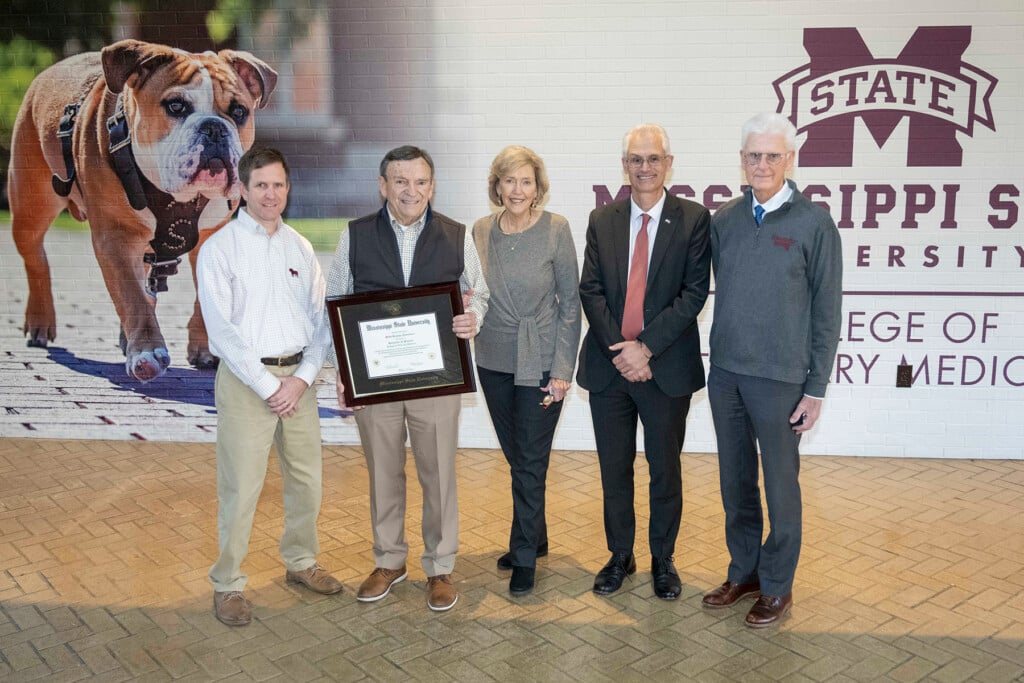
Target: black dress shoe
<point>505,561</point>
<point>522,580</point>
<point>610,578</point>
<point>667,585</point>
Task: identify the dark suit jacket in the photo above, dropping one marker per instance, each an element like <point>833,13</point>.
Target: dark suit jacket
<point>677,286</point>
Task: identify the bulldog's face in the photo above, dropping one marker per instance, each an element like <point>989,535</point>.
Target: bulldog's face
<point>190,115</point>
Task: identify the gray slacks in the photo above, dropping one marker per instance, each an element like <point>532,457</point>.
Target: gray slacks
<point>749,412</point>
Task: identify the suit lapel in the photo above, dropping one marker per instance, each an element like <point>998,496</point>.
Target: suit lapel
<point>620,244</point>
<point>671,221</point>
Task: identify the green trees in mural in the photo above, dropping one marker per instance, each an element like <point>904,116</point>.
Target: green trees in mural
<point>77,26</point>
<point>34,35</point>
<point>241,17</point>
<point>20,60</point>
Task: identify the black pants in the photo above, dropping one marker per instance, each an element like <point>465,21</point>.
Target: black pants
<point>615,412</point>
<point>525,431</point>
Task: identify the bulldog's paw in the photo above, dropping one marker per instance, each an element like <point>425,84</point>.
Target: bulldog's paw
<point>40,330</point>
<point>202,358</point>
<point>147,365</point>
<point>37,340</point>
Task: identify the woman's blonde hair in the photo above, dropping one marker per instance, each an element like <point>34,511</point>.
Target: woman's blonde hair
<point>507,161</point>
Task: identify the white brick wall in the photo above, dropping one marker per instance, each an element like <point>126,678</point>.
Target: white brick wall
<point>568,78</point>
<point>463,78</point>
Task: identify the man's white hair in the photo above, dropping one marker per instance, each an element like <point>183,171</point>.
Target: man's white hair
<point>770,123</point>
<point>646,128</point>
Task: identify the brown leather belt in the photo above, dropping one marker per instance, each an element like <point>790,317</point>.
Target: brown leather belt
<point>283,361</point>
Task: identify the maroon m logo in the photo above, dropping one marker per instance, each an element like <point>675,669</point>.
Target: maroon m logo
<point>928,82</point>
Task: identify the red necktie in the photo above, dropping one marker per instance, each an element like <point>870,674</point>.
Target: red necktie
<point>633,313</point>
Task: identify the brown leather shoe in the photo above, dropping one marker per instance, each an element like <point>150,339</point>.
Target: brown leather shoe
<point>441,593</point>
<point>379,583</point>
<point>316,579</point>
<point>729,593</point>
<point>768,611</point>
<point>232,608</point>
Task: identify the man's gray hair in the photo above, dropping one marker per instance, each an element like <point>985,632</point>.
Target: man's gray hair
<point>770,123</point>
<point>405,153</point>
<point>646,128</point>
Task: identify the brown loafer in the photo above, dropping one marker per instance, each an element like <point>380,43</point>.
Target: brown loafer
<point>231,608</point>
<point>379,583</point>
<point>441,593</point>
<point>768,610</point>
<point>316,579</point>
<point>729,593</point>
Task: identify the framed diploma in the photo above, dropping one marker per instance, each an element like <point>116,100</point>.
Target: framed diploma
<point>398,344</point>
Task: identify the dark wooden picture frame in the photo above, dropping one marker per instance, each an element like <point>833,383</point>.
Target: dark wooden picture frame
<point>346,313</point>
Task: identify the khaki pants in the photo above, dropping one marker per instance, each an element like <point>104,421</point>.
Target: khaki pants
<point>246,428</point>
<point>433,429</point>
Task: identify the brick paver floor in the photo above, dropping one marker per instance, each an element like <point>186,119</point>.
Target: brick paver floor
<point>911,571</point>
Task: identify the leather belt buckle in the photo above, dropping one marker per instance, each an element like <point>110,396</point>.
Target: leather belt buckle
<point>283,361</point>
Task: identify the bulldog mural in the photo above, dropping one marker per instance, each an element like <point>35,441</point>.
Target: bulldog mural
<point>142,141</point>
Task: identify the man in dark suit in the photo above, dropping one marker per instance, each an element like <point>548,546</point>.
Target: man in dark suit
<point>645,279</point>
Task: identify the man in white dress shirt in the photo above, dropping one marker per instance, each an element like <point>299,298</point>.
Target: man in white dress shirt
<point>262,295</point>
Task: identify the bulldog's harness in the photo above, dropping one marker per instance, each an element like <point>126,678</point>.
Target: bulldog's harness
<point>177,223</point>
<point>62,186</point>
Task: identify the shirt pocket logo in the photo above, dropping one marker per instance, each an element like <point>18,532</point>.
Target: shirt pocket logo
<point>784,242</point>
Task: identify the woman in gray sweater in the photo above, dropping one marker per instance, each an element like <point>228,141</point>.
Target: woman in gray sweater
<point>526,349</point>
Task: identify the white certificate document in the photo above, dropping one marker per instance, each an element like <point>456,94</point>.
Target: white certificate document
<point>401,346</point>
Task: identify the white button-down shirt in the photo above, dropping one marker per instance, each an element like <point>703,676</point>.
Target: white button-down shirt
<point>262,296</point>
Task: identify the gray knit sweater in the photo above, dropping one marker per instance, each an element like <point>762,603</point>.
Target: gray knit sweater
<point>778,292</point>
<point>533,320</point>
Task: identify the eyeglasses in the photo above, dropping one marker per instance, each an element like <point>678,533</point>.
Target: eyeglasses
<point>637,161</point>
<point>773,158</point>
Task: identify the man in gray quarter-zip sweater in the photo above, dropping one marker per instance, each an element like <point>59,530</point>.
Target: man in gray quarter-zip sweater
<point>778,268</point>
